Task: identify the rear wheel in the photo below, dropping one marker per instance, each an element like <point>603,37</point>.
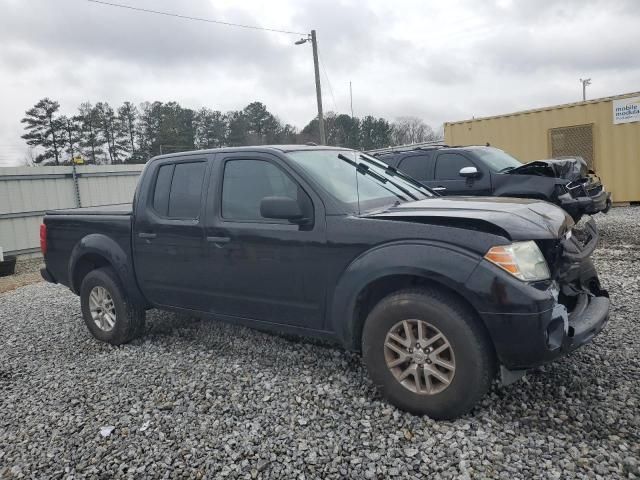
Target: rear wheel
<point>108,313</point>
<point>427,353</point>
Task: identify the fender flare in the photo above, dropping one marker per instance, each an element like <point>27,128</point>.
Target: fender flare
<point>110,250</point>
<point>437,262</point>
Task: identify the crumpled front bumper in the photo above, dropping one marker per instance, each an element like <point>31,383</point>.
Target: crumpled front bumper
<point>587,198</point>
<point>541,321</point>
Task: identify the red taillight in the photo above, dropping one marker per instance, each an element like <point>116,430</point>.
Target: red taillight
<point>43,238</point>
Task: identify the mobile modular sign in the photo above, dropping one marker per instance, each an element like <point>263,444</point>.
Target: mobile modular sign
<point>626,110</point>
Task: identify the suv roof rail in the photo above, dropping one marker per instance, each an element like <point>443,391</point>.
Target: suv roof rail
<point>408,148</point>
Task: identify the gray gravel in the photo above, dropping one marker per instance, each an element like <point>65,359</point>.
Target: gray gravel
<point>200,399</point>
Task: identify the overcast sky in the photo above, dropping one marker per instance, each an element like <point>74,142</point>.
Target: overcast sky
<point>441,61</point>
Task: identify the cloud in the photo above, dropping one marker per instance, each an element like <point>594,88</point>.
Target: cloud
<point>441,61</point>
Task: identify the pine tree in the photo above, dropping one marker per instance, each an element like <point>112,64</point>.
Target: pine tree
<point>44,130</point>
<point>72,135</point>
<point>91,141</point>
<point>127,118</point>
<point>108,123</point>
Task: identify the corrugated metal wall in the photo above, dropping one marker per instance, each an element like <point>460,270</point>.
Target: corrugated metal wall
<point>526,136</point>
<point>26,192</point>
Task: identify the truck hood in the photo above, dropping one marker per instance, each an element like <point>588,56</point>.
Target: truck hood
<point>570,168</point>
<point>513,218</point>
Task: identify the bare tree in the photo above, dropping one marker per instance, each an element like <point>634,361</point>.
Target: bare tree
<point>407,130</point>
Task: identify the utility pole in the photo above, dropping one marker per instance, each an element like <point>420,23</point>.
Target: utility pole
<point>314,45</point>
<point>585,82</point>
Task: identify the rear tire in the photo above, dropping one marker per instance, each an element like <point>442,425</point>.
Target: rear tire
<point>107,311</point>
<point>441,325</point>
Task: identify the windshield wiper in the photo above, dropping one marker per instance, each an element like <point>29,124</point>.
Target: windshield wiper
<point>506,169</point>
<point>393,171</point>
<point>363,169</point>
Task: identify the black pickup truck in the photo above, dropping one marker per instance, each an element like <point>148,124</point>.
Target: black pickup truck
<point>484,170</point>
<point>440,295</point>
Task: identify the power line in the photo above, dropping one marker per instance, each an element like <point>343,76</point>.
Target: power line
<point>198,19</point>
<point>328,83</point>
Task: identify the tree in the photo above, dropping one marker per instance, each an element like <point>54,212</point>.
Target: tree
<point>408,130</point>
<point>148,128</point>
<point>374,133</point>
<point>262,126</point>
<point>238,126</point>
<point>127,118</point>
<point>210,128</point>
<point>176,128</point>
<point>72,134</point>
<point>91,141</point>
<point>288,134</point>
<point>111,131</point>
<point>43,129</point>
<point>346,131</point>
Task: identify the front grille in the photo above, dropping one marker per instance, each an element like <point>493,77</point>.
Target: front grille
<point>587,188</point>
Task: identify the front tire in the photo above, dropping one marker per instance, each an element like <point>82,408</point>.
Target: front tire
<point>107,311</point>
<point>428,353</point>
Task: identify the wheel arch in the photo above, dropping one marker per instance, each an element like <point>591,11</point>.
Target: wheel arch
<point>382,271</point>
<point>98,251</point>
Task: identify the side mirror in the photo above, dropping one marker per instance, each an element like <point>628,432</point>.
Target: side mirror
<point>284,208</point>
<point>469,172</point>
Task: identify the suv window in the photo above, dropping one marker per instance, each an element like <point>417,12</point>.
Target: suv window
<point>419,167</point>
<point>449,166</point>
<point>178,190</point>
<point>247,182</point>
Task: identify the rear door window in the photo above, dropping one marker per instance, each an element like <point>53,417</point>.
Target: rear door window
<point>449,165</point>
<point>161,190</point>
<point>178,190</point>
<point>186,190</point>
<point>419,167</point>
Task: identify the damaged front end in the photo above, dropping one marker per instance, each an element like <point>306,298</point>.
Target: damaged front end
<point>573,306</point>
<point>578,190</point>
<point>582,305</point>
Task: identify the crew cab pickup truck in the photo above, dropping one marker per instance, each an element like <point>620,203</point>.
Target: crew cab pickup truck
<point>440,295</point>
<point>485,170</point>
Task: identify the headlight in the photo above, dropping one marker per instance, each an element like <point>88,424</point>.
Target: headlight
<point>523,260</point>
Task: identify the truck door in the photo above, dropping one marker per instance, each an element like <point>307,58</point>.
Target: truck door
<point>168,232</point>
<point>418,166</point>
<point>263,269</point>
<point>448,180</point>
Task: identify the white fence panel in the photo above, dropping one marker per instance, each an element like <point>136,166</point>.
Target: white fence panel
<point>27,192</point>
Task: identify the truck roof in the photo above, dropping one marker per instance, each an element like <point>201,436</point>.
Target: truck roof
<point>251,148</point>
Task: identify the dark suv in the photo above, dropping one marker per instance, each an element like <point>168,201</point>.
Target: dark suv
<point>484,170</point>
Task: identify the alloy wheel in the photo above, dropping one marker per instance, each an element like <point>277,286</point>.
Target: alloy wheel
<point>102,308</point>
<point>419,356</point>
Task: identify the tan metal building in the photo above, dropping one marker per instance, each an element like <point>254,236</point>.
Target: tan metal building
<point>604,131</point>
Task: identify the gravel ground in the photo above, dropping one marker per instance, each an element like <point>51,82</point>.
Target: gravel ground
<point>27,272</point>
<point>201,399</point>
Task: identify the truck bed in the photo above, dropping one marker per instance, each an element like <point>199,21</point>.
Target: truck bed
<point>100,228</point>
<point>117,209</point>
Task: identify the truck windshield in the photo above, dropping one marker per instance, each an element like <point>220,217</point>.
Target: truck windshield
<point>358,180</point>
<point>496,159</point>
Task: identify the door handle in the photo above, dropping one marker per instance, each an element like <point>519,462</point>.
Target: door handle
<point>218,239</point>
<point>438,189</point>
<point>147,235</point>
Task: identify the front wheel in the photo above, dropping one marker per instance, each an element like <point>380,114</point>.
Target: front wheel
<point>427,353</point>
<point>107,311</point>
